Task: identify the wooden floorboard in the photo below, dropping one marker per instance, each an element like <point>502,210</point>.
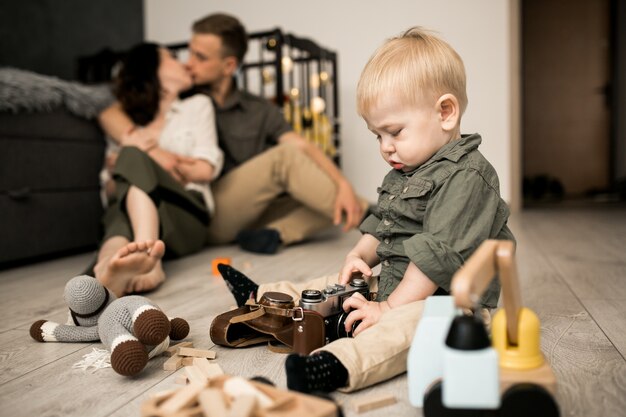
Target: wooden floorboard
<point>581,355</point>
<point>589,253</point>
<point>572,270</point>
<point>37,290</point>
<point>610,316</point>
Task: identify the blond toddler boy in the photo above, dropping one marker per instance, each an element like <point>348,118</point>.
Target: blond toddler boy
<point>440,200</point>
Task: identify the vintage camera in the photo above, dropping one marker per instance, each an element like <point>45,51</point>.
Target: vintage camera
<point>328,303</point>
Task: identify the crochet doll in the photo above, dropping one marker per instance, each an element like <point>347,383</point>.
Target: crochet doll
<point>132,328</point>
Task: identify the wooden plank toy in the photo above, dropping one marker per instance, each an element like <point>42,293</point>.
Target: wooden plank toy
<point>173,350</point>
<point>373,402</point>
<point>174,363</point>
<point>196,353</point>
<point>209,370</point>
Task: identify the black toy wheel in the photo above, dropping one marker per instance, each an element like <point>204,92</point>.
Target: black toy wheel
<point>528,400</point>
<point>433,406</point>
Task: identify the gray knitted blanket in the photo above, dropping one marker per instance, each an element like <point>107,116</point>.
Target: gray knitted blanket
<point>26,91</point>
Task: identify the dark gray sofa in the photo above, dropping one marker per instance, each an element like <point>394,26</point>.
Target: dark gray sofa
<point>49,186</point>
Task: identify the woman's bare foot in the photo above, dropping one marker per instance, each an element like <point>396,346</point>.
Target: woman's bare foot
<point>146,282</point>
<point>135,258</point>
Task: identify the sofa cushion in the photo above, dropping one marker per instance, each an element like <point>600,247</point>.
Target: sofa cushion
<point>49,151</point>
<point>49,184</point>
<point>48,222</point>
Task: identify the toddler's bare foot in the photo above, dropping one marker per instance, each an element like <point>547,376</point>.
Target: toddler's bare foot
<point>135,258</point>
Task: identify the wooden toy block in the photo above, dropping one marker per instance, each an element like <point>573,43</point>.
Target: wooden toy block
<point>217,261</point>
<point>242,406</point>
<point>238,386</point>
<point>196,353</point>
<point>181,380</point>
<point>374,402</point>
<point>173,363</point>
<point>210,370</point>
<point>188,360</point>
<point>425,360</point>
<point>212,403</point>
<point>184,397</point>
<point>173,350</point>
<point>195,375</point>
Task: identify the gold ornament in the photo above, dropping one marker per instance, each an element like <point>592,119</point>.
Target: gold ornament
<point>324,77</point>
<point>287,64</point>
<point>314,81</point>
<point>267,75</point>
<point>318,105</point>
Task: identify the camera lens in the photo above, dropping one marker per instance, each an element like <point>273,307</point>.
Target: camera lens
<point>341,326</point>
<point>311,296</point>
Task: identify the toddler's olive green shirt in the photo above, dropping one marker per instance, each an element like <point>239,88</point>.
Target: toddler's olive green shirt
<point>437,215</point>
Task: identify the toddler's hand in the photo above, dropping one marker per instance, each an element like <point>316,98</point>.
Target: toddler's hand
<point>368,312</point>
<point>353,265</point>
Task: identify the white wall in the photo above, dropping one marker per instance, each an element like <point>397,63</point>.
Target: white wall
<point>478,29</point>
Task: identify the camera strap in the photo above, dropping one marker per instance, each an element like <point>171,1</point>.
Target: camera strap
<point>248,316</point>
<point>253,324</point>
<point>283,312</point>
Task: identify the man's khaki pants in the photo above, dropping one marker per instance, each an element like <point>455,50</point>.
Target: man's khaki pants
<point>282,189</point>
<point>376,354</point>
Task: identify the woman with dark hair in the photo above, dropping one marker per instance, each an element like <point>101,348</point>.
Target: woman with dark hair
<point>157,205</point>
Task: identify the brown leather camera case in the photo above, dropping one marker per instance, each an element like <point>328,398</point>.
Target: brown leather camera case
<point>274,318</point>
<point>308,333</point>
<point>270,319</point>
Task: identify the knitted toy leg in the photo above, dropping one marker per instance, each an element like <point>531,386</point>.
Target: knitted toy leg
<point>179,328</point>
<point>49,331</point>
<point>128,355</point>
<point>117,327</point>
<point>150,325</point>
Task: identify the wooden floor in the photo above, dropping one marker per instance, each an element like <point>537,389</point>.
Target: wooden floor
<point>573,271</point>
